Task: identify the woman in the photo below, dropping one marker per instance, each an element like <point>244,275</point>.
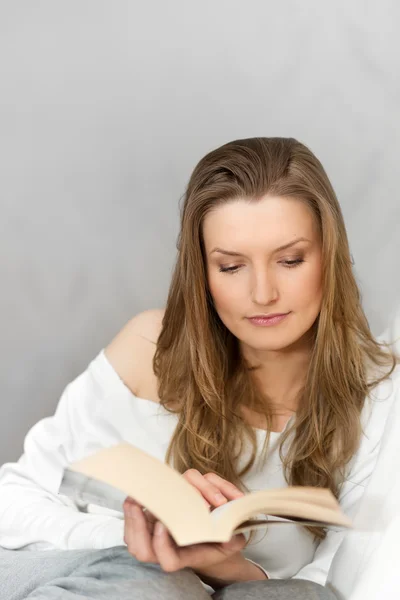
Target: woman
<point>260,372</point>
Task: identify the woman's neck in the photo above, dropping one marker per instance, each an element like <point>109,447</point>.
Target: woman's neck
<point>281,374</point>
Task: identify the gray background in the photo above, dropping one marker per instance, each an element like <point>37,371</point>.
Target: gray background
<point>106,107</point>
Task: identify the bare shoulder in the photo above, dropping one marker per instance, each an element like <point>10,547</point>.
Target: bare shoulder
<point>131,352</point>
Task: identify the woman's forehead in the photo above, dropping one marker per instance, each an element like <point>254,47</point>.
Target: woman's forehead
<point>272,222</point>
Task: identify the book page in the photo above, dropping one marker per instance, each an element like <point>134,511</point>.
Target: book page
<point>153,484</point>
<point>290,503</point>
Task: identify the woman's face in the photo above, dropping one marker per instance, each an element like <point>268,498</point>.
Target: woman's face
<point>262,278</point>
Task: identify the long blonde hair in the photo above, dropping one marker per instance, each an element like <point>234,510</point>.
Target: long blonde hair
<point>201,374</point>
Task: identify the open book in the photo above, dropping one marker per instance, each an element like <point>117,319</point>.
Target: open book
<point>107,477</point>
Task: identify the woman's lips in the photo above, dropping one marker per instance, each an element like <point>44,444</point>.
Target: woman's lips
<point>268,321</point>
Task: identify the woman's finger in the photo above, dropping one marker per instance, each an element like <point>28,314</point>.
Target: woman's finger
<point>129,501</point>
<point>214,489</point>
<point>151,519</point>
<point>166,550</point>
<point>228,489</point>
<point>208,490</point>
<point>137,534</point>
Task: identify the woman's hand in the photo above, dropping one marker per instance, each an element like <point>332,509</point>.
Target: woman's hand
<point>149,541</point>
<point>214,489</point>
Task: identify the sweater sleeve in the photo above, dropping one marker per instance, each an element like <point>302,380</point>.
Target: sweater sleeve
<point>360,470</point>
<point>32,513</point>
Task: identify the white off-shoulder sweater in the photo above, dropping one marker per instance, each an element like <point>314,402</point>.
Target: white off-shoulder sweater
<point>98,410</point>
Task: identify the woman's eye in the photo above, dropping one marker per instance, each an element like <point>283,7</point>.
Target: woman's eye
<point>288,263</point>
<point>293,263</point>
<point>228,269</point>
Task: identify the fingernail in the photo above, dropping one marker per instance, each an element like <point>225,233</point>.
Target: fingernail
<point>159,528</point>
<point>219,497</point>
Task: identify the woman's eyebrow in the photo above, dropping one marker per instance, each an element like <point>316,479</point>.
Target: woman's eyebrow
<point>284,247</point>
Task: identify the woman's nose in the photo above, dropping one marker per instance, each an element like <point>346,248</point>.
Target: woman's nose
<point>264,288</point>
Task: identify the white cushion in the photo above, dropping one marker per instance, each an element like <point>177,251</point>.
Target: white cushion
<point>366,565</point>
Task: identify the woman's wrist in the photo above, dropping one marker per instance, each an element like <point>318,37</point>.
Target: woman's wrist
<point>232,570</point>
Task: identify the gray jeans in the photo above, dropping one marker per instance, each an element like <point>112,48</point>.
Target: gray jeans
<point>113,574</point>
